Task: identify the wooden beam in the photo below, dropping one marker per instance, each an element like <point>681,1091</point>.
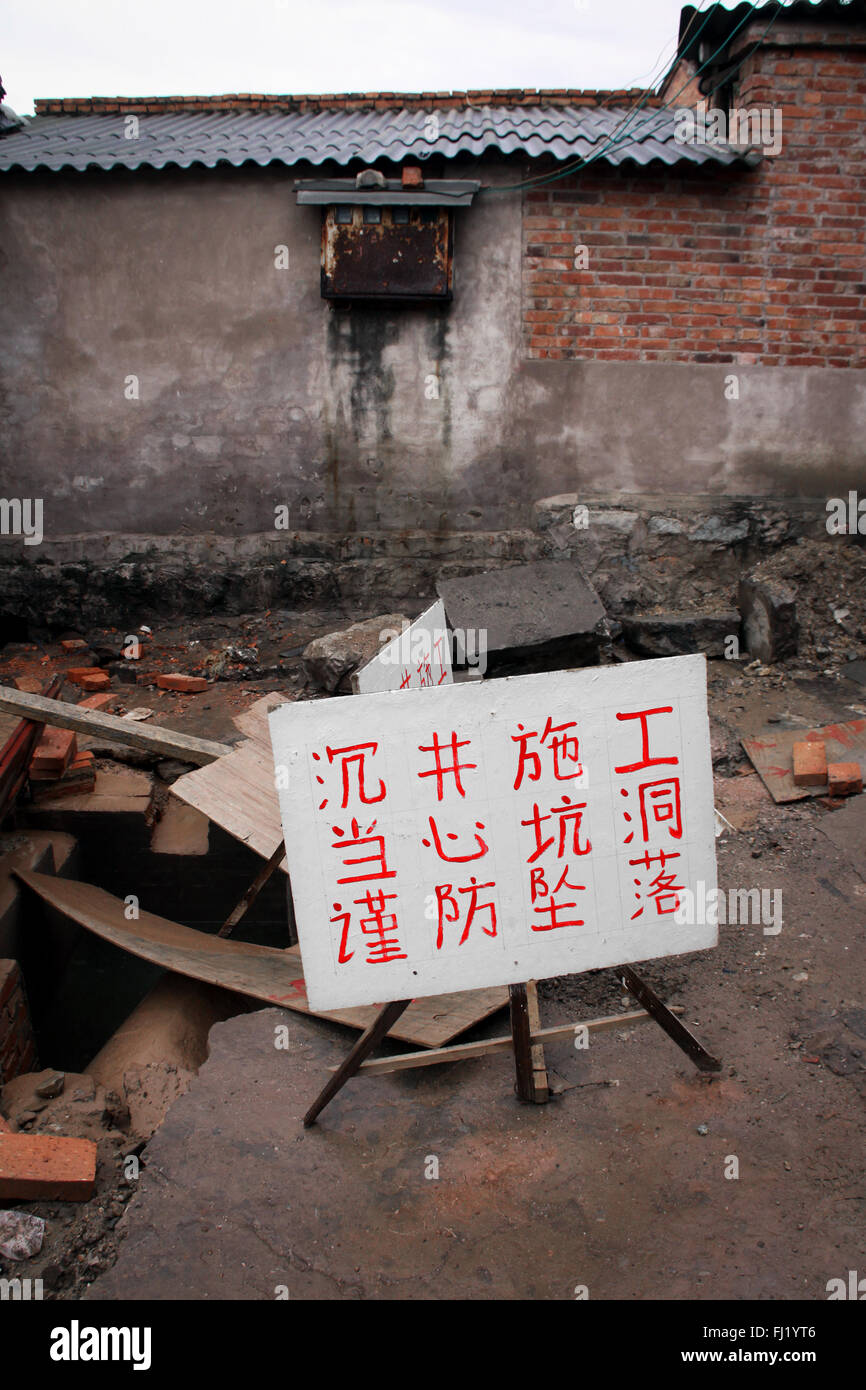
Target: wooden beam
<point>459,1052</point>
<point>249,897</point>
<point>525,1086</point>
<point>90,721</point>
<point>353,1060</point>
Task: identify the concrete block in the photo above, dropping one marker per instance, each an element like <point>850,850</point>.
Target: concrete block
<point>677,634</point>
<point>330,660</point>
<point>769,612</point>
<point>536,617</point>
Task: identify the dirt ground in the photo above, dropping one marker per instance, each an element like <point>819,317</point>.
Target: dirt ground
<point>641,1138</point>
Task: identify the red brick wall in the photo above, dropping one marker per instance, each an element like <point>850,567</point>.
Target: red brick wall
<point>17,1048</point>
<point>710,264</point>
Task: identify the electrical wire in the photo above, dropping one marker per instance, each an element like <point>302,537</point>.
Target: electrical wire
<point>619,135</point>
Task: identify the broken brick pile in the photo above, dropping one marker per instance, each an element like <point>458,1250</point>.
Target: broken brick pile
<point>58,769</point>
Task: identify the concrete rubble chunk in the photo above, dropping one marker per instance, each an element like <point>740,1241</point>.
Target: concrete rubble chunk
<point>330,660</point>
<point>768,608</point>
<point>543,616</point>
<point>21,1235</point>
<point>681,633</point>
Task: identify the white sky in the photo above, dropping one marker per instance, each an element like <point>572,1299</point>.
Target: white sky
<point>57,48</point>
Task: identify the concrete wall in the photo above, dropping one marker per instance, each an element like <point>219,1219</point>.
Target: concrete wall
<point>254,392</point>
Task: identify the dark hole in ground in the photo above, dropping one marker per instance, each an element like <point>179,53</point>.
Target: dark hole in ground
<point>13,628</point>
<point>81,988</point>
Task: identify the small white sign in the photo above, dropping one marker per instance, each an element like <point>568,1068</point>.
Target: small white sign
<point>535,826</point>
<point>418,658</point>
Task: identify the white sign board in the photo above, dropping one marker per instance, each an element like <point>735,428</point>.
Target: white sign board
<point>486,834</point>
<point>419,658</point>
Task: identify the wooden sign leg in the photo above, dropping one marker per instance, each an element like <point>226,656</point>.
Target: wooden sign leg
<point>520,1033</point>
<point>676,1030</point>
<point>541,1089</point>
<point>367,1041</point>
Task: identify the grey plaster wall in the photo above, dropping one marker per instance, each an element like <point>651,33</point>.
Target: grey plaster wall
<point>254,392</point>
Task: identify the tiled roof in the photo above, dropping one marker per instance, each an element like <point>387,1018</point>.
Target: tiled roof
<point>346,132</point>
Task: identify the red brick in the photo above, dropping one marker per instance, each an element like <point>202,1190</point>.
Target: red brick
<point>97,701</point>
<point>79,674</point>
<point>40,1166</point>
<point>54,752</point>
<point>100,680</point>
<point>845,779</point>
<point>74,644</point>
<point>810,764</point>
<point>188,685</point>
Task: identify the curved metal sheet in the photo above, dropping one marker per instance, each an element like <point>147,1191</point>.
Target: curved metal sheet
<point>344,135</point>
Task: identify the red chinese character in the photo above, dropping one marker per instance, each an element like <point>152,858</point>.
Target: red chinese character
<point>358,750</point>
<point>384,945</point>
<point>445,894</point>
<point>662,798</point>
<point>381,949</point>
<point>539,889</point>
<point>449,835</point>
<point>424,672</point>
<point>566,812</point>
<point>562,748</point>
<point>407,676</point>
<point>456,767</point>
<point>643,715</point>
<point>664,888</point>
<point>356,843</point>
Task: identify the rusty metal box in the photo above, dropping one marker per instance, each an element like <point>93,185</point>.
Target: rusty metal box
<point>387,252</point>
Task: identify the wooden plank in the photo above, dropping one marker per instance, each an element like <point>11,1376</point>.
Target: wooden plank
<point>262,972</point>
<point>238,794</point>
<point>90,721</point>
<point>253,721</point>
<point>429,1022</point>
<point>541,1090</point>
<point>461,1052</point>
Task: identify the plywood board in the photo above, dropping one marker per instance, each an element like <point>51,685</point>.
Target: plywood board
<point>581,807</point>
<point>772,754</point>
<point>237,792</point>
<point>419,658</point>
<point>275,977</point>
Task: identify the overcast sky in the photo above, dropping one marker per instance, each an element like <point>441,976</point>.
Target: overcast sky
<point>57,48</point>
